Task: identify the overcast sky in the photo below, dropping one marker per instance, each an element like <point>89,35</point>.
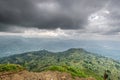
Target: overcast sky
<point>70,19</point>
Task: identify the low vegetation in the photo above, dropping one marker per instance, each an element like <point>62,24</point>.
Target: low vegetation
<point>72,70</point>
<point>10,68</point>
<point>75,72</point>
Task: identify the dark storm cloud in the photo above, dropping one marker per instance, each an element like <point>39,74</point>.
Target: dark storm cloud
<point>48,14</point>
<point>4,28</point>
<point>9,28</point>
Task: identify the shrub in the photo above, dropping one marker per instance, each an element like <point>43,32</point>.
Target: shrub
<point>10,67</point>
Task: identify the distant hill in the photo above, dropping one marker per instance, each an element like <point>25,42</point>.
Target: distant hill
<point>89,64</point>
<point>10,45</point>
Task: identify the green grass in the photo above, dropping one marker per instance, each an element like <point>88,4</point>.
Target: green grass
<point>75,72</point>
<point>10,68</point>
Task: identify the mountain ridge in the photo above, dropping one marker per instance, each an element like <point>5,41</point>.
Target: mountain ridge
<point>75,57</point>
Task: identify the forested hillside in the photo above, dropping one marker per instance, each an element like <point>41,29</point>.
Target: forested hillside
<point>78,62</point>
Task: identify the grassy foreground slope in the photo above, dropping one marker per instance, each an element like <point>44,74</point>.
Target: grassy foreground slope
<point>10,68</point>
<point>82,62</point>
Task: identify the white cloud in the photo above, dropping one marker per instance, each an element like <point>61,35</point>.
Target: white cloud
<point>98,21</point>
<point>62,34</point>
<point>34,32</point>
<point>80,34</point>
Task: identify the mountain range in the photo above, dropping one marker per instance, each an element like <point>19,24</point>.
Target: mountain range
<point>10,45</point>
<point>88,64</point>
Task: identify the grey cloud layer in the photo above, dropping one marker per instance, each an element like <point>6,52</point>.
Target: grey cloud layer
<point>47,14</point>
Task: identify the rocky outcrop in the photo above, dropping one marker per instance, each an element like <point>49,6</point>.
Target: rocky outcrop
<point>46,75</point>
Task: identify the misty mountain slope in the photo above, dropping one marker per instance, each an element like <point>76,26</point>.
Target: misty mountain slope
<point>78,58</point>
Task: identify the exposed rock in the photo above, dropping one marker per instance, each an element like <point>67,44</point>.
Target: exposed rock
<point>48,75</point>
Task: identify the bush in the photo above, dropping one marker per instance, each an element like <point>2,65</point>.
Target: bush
<point>73,71</point>
<point>10,67</point>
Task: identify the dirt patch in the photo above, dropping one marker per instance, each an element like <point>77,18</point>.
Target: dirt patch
<point>48,75</point>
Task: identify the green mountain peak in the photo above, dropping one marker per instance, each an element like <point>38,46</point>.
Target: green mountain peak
<point>81,61</point>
